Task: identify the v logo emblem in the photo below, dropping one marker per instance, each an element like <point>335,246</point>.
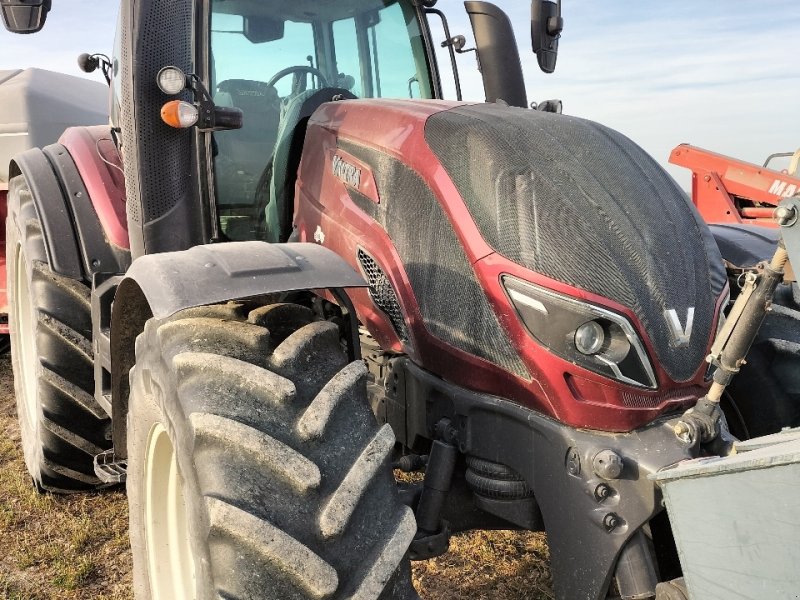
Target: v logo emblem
<point>680,334</point>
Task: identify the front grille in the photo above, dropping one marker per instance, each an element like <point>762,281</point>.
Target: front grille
<point>690,394</point>
<point>382,293</point>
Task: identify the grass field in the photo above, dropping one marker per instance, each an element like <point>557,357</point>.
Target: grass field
<point>76,547</point>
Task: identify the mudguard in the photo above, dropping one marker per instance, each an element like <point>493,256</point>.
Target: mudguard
<point>159,285</point>
<point>173,281</point>
<point>59,237</point>
<point>75,241</point>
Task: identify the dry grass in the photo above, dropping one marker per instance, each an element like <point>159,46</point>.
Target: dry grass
<point>488,565</point>
<point>76,547</point>
<point>55,547</point>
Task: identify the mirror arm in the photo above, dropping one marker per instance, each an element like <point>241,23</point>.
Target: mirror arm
<point>555,25</point>
<point>447,44</point>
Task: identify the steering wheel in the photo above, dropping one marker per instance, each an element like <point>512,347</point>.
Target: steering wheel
<point>298,69</point>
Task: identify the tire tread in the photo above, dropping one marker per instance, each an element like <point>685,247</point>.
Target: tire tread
<point>288,451</point>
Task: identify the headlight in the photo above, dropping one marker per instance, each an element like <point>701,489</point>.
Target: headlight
<point>590,338</point>
<point>595,338</point>
<point>171,80</point>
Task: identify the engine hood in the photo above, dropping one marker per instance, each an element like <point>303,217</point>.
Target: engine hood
<point>582,204</point>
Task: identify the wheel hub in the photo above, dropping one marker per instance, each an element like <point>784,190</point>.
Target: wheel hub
<point>25,334</point>
<point>169,556</point>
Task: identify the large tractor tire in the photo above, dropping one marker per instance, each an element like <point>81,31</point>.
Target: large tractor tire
<point>256,468</point>
<point>764,397</point>
<point>62,425</point>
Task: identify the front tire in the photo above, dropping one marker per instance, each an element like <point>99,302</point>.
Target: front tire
<point>256,468</point>
<point>62,425</point>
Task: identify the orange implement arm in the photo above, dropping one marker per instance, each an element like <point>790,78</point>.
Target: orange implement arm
<point>727,190</point>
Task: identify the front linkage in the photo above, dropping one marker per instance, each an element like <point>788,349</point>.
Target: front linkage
<point>700,425</point>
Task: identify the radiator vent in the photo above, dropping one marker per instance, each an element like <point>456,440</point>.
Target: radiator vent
<point>683,395</point>
<point>383,294</point>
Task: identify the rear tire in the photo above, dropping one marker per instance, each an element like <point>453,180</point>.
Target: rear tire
<point>62,426</point>
<point>256,468</point>
<point>764,397</point>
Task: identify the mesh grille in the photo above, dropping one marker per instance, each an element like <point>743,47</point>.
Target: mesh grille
<point>126,114</point>
<point>382,293</point>
<point>582,204</point>
<point>454,307</point>
<point>163,149</point>
<point>155,33</point>
<point>641,401</point>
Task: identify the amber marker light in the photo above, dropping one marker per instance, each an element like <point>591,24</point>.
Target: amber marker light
<point>179,114</point>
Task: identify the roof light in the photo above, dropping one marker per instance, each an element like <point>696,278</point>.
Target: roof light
<point>179,114</point>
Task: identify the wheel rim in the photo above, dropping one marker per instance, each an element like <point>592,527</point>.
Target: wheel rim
<point>25,334</point>
<point>169,556</point>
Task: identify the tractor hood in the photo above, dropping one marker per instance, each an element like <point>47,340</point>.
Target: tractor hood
<point>36,106</point>
<point>585,206</point>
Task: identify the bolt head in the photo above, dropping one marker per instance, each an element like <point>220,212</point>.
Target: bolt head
<point>573,462</point>
<point>602,491</point>
<point>607,464</point>
<point>785,214</point>
<point>611,521</point>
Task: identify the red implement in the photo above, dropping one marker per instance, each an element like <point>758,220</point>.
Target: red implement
<point>727,190</point>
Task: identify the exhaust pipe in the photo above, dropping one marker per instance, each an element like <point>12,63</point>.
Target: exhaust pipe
<point>498,55</point>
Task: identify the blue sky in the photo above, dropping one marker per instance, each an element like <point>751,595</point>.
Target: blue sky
<point>722,75</point>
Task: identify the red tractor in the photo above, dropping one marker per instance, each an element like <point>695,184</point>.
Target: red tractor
<point>215,307</point>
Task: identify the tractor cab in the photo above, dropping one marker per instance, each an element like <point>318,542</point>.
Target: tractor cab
<point>277,63</point>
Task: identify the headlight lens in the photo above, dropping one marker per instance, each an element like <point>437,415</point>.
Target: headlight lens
<point>595,338</point>
<point>589,338</point>
<point>171,80</point>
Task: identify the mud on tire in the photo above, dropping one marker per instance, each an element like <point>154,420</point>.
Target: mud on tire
<point>62,425</point>
<point>281,466</point>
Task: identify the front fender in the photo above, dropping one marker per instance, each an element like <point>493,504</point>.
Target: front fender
<point>213,273</point>
<point>159,285</point>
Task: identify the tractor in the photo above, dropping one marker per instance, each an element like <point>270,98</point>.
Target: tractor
<point>297,266</point>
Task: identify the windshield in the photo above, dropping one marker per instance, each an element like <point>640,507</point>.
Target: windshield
<point>277,60</point>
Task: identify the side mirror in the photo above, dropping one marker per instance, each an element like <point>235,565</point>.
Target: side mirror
<point>546,28</point>
<point>24,16</point>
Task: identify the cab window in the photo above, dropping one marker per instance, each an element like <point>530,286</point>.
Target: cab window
<point>270,58</point>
